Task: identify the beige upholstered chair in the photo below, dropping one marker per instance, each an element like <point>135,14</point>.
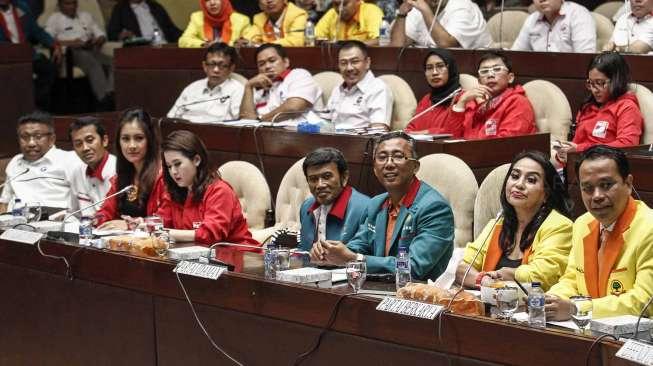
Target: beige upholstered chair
<point>327,80</point>
<point>512,23</point>
<point>645,99</point>
<point>180,11</point>
<point>604,29</point>
<point>238,77</point>
<point>456,182</point>
<point>609,9</point>
<point>251,188</point>
<point>404,104</point>
<point>488,202</point>
<point>468,81</point>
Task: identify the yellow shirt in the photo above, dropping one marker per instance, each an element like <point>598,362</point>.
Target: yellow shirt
<point>627,283</point>
<point>193,36</point>
<point>292,28</point>
<point>363,27</point>
<point>546,260</point>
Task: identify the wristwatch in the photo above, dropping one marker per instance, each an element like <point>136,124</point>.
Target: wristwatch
<point>360,257</point>
<point>400,15</point>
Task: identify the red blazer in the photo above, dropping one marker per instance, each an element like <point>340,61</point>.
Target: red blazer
<point>109,210</point>
<point>508,114</point>
<point>617,123</point>
<point>219,212</point>
<point>437,120</point>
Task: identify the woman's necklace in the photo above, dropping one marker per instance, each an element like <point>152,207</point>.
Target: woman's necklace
<point>132,194</point>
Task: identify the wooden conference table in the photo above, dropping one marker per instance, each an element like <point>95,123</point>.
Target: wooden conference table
<point>125,310</point>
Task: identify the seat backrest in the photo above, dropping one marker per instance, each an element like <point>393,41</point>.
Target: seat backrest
<point>238,77</point>
<point>604,29</point>
<point>251,188</point>
<point>645,100</point>
<point>293,191</point>
<point>90,6</point>
<point>468,82</point>
<point>327,80</point>
<point>458,186</point>
<point>609,9</point>
<point>488,199</point>
<point>512,23</point>
<point>552,110</point>
<point>180,10</point>
<point>404,103</point>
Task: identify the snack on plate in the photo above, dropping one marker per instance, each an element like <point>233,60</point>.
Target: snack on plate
<point>134,244</point>
<point>464,302</point>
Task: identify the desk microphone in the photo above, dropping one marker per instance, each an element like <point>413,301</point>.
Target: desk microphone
<point>182,108</point>
<point>641,314</point>
<point>299,113</point>
<point>434,105</point>
<point>16,176</point>
<point>478,251</point>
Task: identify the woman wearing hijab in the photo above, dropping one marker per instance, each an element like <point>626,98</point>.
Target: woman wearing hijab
<point>432,112</point>
<point>216,22</point>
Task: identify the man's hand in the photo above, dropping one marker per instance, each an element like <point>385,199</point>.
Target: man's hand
<point>114,225</point>
<point>480,93</point>
<point>420,5</point>
<point>99,41</point>
<point>317,253</point>
<point>259,81</point>
<point>337,253</point>
<point>57,54</point>
<point>405,7</point>
<point>506,274</point>
<point>125,34</point>
<point>557,308</point>
<point>610,46</point>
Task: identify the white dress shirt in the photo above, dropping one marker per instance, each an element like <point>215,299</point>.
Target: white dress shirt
<point>297,83</point>
<point>574,30</point>
<point>11,23</point>
<point>64,28</point>
<point>369,101</point>
<point>462,19</point>
<point>86,190</point>
<point>46,181</point>
<point>630,29</point>
<point>146,21</point>
<point>320,215</point>
<point>199,103</point>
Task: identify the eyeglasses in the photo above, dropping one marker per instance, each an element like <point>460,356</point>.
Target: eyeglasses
<point>397,158</point>
<point>486,71</point>
<point>25,137</point>
<point>597,84</point>
<point>440,68</point>
<point>219,65</point>
<point>353,62</point>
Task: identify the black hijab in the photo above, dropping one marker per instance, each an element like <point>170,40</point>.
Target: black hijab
<point>438,94</point>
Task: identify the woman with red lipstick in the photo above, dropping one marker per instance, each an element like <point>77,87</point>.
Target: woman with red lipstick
<point>441,73</point>
<point>531,240</point>
<point>137,153</point>
<point>216,22</point>
<point>199,206</point>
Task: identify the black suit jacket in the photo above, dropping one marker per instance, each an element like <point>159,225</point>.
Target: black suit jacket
<point>123,17</point>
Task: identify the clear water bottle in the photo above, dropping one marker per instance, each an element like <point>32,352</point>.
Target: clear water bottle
<point>384,33</point>
<point>157,38</point>
<point>309,34</point>
<point>403,267</point>
<point>18,208</point>
<point>85,230</point>
<point>269,262</point>
<point>536,315</point>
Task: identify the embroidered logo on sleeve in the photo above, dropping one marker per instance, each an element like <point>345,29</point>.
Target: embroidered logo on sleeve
<point>490,127</point>
<point>616,287</point>
<point>600,129</point>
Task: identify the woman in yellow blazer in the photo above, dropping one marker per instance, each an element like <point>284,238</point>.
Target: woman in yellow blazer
<point>216,22</point>
<point>531,241</point>
<point>293,22</point>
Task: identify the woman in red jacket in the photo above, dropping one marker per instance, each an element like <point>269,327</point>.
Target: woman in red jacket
<point>199,206</point>
<point>137,164</point>
<point>611,114</point>
<point>441,73</point>
<point>496,107</point>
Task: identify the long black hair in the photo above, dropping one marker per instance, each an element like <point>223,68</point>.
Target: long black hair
<point>125,171</point>
<point>557,199</point>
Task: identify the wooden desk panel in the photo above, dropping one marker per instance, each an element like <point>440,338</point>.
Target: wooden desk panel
<point>16,92</point>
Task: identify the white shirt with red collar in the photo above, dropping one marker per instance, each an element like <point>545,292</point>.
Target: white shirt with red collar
<point>629,29</point>
<point>10,22</point>
<point>293,83</point>
<point>89,186</point>
<point>199,103</point>
<point>574,30</point>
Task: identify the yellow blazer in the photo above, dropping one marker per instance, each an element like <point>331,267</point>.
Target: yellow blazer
<point>545,261</point>
<point>365,25</point>
<point>292,26</point>
<point>626,282</point>
<point>193,36</point>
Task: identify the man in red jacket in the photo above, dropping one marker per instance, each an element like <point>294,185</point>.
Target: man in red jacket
<point>495,108</point>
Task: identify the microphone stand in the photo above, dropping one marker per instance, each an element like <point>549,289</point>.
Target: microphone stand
<point>12,179</point>
<point>183,108</point>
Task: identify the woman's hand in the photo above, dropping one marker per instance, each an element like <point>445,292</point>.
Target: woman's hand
<point>113,225</point>
<point>563,148</point>
<point>506,274</point>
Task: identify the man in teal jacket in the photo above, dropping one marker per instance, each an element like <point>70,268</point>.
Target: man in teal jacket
<point>335,210</point>
<point>411,214</point>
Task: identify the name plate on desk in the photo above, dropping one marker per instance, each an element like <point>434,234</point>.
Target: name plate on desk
<point>639,352</point>
<point>199,269</point>
<point>410,308</point>
<point>27,237</point>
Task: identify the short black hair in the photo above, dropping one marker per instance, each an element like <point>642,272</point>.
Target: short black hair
<point>280,50</point>
<point>224,49</point>
<point>349,44</point>
<point>605,152</point>
<point>325,155</point>
<point>82,122</point>
<point>395,135</point>
<point>491,55</point>
<point>36,117</point>
<point>614,67</point>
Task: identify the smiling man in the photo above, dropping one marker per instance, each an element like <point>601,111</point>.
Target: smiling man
<point>611,258</point>
<point>91,181</point>
<point>411,214</point>
<point>336,210</point>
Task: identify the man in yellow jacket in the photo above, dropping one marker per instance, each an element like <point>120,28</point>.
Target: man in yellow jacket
<point>280,22</point>
<point>350,20</point>
<point>611,258</point>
